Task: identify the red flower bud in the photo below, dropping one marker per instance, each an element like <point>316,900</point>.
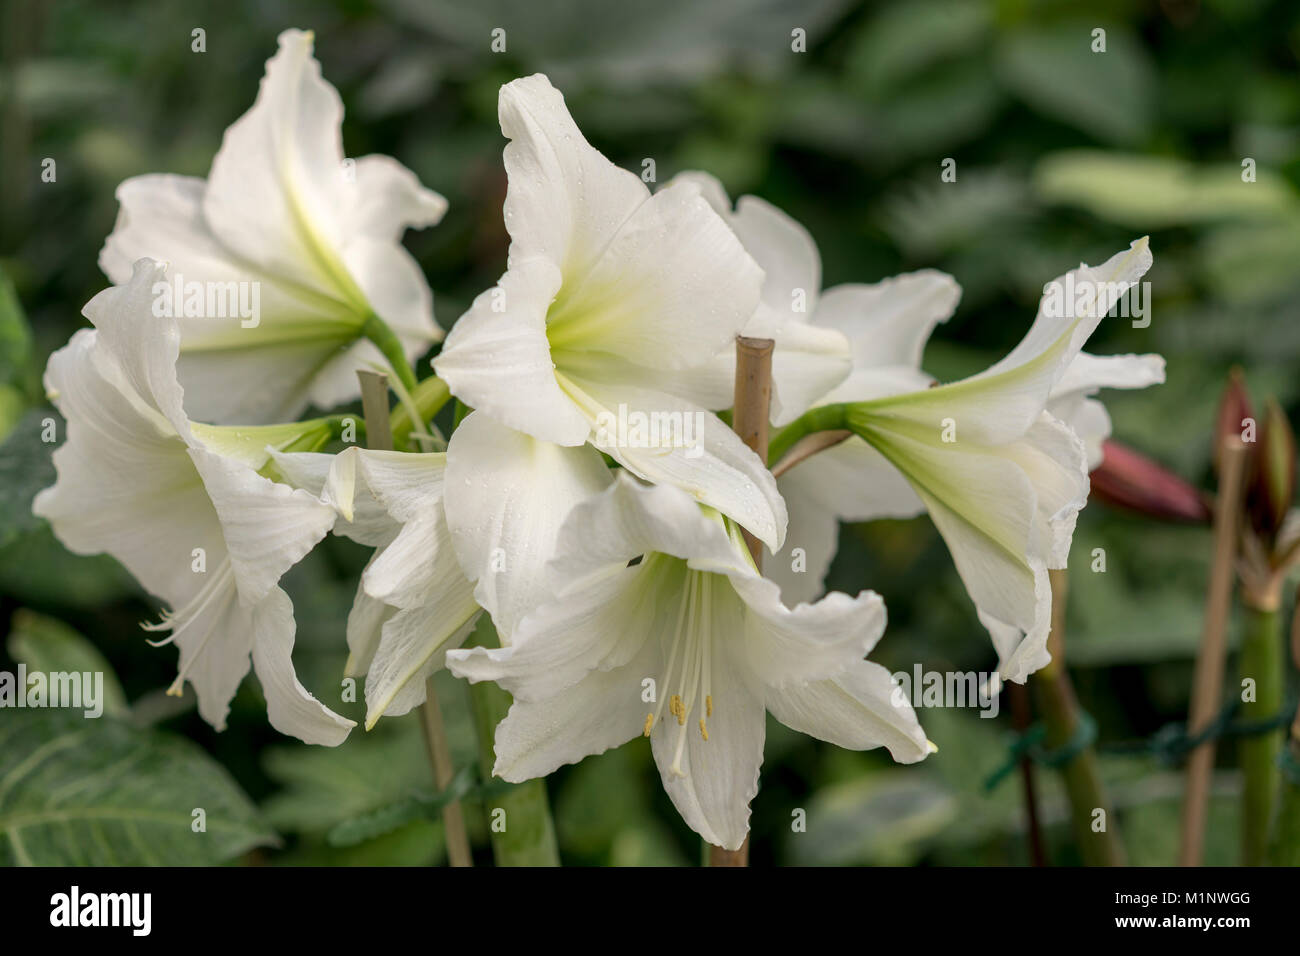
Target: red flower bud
<point>1236,416</point>
<point>1129,480</point>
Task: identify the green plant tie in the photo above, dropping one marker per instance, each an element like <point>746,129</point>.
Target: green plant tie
<point>1030,744</point>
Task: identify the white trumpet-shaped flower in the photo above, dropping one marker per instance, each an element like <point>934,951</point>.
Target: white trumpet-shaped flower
<point>183,507</point>
<point>414,603</point>
<point>999,460</point>
<point>689,646</point>
<point>614,305</point>
<point>286,259</point>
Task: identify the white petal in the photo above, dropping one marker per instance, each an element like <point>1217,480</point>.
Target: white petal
<point>388,200</point>
<point>1001,403</point>
<point>783,249</point>
<point>1108,283</point>
<point>811,542</point>
<point>1088,373</point>
<point>1088,419</point>
<point>291,708</point>
<point>332,478</point>
<point>498,361</point>
<point>126,484</point>
<point>298,327</point>
<point>888,323</point>
<point>629,519</point>
<point>415,641</point>
<point>268,527</point>
<point>673,286</point>
<point>601,625</point>
<point>259,383</point>
<point>143,345</point>
<point>601,711</point>
<point>861,709</point>
<point>714,781</point>
<point>810,642</point>
<point>1005,513</point>
<point>274,184</point>
<point>506,497</point>
<point>408,485</point>
<point>715,467</point>
<point>214,652</point>
<point>808,361</point>
<point>366,620</point>
<point>565,201</point>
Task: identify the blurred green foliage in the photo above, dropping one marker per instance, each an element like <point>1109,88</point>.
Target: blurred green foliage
<point>1063,154</point>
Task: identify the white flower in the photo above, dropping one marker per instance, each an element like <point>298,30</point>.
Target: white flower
<point>811,356</point>
<point>413,603</point>
<point>182,506</point>
<point>316,239</point>
<point>613,299</point>
<point>1002,476</point>
<point>689,646</point>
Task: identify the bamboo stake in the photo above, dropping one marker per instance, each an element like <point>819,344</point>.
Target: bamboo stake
<point>1207,681</point>
<point>1020,718</point>
<point>753,398</point>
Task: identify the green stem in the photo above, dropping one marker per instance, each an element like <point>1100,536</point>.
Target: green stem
<point>824,419</point>
<point>519,815</point>
<point>428,398</point>
<point>1081,775</point>
<point>1261,661</point>
<point>377,331</point>
<point>1285,849</point>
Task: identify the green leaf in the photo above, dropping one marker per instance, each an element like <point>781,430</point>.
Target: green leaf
<point>47,644</point>
<point>324,786</point>
<point>25,468</point>
<point>881,818</point>
<point>1154,192</point>
<point>15,336</point>
<point>1250,264</point>
<point>628,45</point>
<point>1108,95</point>
<point>78,792</point>
<point>907,39</point>
<point>36,569</point>
<point>418,806</point>
<point>374,777</point>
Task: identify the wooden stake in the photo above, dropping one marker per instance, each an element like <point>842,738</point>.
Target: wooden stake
<point>753,399</point>
<point>1207,682</point>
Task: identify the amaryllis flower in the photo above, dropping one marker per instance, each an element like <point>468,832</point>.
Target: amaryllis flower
<point>286,264</point>
<point>614,303</point>
<point>183,507</point>
<point>689,646</point>
<point>414,603</point>
<point>1002,477</point>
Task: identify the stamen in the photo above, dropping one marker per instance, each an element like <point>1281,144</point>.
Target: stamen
<point>708,705</point>
<point>649,722</point>
<point>675,706</point>
<point>687,602</point>
<point>178,620</point>
<point>704,731</point>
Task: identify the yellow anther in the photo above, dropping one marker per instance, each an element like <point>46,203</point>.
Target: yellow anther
<point>649,722</point>
<point>675,708</point>
<point>708,708</point>
<point>704,731</point>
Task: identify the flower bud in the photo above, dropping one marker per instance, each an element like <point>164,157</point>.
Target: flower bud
<point>1273,486</point>
<point>1129,480</point>
<point>1236,416</point>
